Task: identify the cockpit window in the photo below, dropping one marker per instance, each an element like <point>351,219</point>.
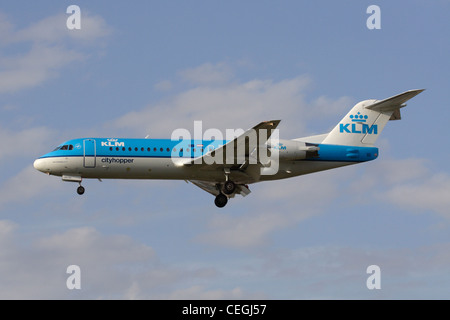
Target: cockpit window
<point>64,147</point>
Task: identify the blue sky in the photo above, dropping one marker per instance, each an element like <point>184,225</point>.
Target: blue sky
<point>150,67</point>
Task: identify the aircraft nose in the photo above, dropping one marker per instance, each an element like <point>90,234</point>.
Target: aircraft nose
<point>39,164</point>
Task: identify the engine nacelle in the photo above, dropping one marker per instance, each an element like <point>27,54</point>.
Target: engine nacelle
<point>294,150</point>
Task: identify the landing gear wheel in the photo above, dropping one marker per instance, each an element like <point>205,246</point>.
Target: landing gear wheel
<point>229,187</point>
<point>221,200</point>
<point>80,190</point>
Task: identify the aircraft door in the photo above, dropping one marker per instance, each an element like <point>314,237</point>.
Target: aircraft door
<point>89,153</point>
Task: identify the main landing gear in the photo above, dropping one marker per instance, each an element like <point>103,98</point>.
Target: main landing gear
<point>221,200</point>
<point>228,188</point>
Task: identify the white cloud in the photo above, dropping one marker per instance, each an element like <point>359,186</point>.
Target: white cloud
<point>7,229</point>
<point>38,65</point>
<point>36,271</point>
<point>6,29</point>
<point>326,112</point>
<point>269,209</point>
<point>50,49</point>
<point>399,171</point>
<point>234,105</point>
<point>223,102</point>
<point>86,244</point>
<point>54,29</point>
<point>49,30</point>
<point>339,272</point>
<point>208,74</point>
<point>201,293</point>
<point>27,184</point>
<point>116,266</point>
<point>431,194</point>
<point>246,231</point>
<point>408,183</point>
<point>165,85</point>
<point>28,142</point>
<point>112,267</point>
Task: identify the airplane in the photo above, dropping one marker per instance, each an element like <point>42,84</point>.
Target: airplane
<point>237,162</point>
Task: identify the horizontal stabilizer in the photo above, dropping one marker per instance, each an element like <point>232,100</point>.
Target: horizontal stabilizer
<point>394,102</point>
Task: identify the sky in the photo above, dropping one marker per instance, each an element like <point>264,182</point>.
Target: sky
<point>149,67</point>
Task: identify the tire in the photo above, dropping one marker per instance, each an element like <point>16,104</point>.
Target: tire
<point>80,190</point>
<point>229,187</point>
<point>221,200</point>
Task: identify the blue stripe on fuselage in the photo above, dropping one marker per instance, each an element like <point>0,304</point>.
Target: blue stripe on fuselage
<point>330,152</point>
<point>135,148</point>
<point>154,148</point>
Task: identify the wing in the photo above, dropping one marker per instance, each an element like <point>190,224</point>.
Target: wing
<point>234,160</point>
<point>239,152</point>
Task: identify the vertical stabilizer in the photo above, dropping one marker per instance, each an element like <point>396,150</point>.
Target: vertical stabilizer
<point>365,121</point>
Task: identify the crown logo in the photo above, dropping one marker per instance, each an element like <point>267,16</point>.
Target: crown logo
<point>112,140</point>
<point>358,117</point>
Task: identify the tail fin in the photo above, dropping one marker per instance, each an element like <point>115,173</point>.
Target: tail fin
<point>365,121</point>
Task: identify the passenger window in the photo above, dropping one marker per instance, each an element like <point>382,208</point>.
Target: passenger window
<point>135,149</point>
<point>168,149</point>
<point>123,148</point>
<point>161,149</point>
<point>154,149</point>
<point>110,148</point>
<point>117,148</point>
<point>187,149</point>
<point>148,149</point>
<point>129,148</point>
<point>174,149</point>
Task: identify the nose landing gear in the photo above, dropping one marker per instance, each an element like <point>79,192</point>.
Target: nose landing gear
<point>80,189</point>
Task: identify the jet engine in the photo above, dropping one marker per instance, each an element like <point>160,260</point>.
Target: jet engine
<point>294,150</point>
